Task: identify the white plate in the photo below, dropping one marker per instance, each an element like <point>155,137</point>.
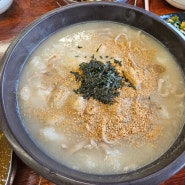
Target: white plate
<point>177,3</point>
<point>4,5</point>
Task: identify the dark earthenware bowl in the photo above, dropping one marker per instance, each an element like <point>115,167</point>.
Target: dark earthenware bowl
<point>23,46</point>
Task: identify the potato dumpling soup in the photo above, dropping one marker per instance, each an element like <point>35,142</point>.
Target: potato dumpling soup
<point>102,97</point>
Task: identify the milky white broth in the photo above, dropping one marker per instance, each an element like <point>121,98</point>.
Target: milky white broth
<point>91,136</point>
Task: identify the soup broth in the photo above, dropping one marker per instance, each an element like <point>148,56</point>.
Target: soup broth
<point>102,97</point>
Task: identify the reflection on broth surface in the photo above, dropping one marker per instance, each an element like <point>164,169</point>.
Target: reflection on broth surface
<point>105,97</point>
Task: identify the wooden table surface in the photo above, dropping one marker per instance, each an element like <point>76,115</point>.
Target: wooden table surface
<point>20,14</point>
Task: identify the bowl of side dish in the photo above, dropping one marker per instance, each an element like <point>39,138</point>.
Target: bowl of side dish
<point>96,98</point>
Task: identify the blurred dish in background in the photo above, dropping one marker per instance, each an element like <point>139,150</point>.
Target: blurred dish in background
<point>4,5</point>
<point>7,162</point>
<point>177,3</point>
<point>176,21</point>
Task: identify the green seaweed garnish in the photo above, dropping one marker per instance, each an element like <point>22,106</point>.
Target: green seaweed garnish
<point>98,80</point>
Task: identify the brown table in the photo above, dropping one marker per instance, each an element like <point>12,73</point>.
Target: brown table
<point>20,14</point>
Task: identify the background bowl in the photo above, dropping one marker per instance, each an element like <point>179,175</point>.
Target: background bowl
<point>4,5</point>
<point>23,46</point>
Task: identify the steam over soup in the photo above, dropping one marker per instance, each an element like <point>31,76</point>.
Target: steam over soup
<point>102,97</point>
